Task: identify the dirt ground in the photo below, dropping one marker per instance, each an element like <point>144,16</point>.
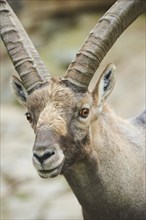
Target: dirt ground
<point>24,196</point>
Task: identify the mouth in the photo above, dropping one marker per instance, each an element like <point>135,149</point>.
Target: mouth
<point>50,173</point>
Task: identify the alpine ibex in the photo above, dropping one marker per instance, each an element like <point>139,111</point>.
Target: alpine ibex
<point>77,134</point>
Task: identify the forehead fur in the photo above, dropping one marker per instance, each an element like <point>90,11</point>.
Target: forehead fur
<point>55,91</point>
<point>50,106</point>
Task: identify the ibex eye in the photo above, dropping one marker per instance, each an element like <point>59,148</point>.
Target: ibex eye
<point>84,113</point>
<point>28,117</point>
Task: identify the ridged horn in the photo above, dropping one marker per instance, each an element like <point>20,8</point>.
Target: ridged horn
<point>101,39</point>
<point>23,54</point>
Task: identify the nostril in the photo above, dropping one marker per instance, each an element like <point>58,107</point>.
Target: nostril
<point>47,155</point>
<point>36,156</point>
<point>44,157</point>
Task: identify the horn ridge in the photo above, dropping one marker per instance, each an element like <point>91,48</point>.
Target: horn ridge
<point>23,54</point>
<point>109,27</point>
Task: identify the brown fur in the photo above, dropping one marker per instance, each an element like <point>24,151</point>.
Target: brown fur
<point>103,154</point>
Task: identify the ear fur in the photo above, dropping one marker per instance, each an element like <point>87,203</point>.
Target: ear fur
<point>19,90</point>
<point>102,88</point>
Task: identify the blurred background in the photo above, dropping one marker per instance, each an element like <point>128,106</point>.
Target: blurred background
<point>58,29</point>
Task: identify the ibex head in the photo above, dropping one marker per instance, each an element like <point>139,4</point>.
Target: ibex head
<point>61,111</point>
<point>61,116</point>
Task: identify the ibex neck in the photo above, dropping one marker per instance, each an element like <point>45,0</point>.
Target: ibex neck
<point>83,180</point>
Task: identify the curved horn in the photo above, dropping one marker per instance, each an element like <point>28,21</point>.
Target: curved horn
<point>24,56</point>
<point>100,40</point>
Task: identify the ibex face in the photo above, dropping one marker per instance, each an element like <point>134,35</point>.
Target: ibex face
<point>62,118</point>
<point>59,128</point>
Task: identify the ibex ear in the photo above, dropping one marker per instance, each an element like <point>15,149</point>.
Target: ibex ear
<point>19,90</point>
<point>101,88</point>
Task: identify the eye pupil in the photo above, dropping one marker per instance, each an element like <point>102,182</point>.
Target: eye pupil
<point>84,112</point>
<point>28,117</point>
